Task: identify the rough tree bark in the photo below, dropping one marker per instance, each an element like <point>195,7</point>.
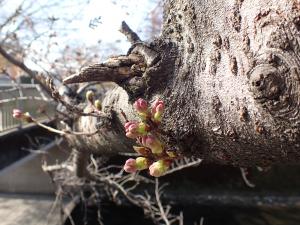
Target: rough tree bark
<point>228,71</point>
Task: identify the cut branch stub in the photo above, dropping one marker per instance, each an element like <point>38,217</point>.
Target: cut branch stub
<point>121,68</point>
<point>116,69</point>
<point>139,47</point>
<point>132,37</point>
<point>99,72</point>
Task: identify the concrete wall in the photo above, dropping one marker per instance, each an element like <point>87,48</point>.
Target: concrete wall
<point>27,176</point>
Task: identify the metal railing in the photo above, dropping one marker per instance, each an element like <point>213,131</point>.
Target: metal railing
<point>28,98</point>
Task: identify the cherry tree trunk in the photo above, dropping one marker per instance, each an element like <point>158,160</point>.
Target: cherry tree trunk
<point>228,71</point>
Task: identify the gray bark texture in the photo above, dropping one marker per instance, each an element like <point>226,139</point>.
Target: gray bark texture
<point>228,71</point>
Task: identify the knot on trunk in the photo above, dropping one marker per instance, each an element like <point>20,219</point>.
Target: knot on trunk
<point>266,83</point>
<point>274,82</point>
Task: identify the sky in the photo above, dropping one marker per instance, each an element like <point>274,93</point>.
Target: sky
<point>112,14</point>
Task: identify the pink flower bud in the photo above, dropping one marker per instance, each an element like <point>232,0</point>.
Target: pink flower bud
<point>141,105</point>
<point>157,106</point>
<point>129,123</point>
<point>130,166</point>
<point>157,110</point>
<point>17,114</point>
<point>153,143</point>
<point>131,129</point>
<point>158,168</point>
<point>134,129</point>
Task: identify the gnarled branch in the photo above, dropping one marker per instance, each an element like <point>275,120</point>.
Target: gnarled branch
<point>115,69</point>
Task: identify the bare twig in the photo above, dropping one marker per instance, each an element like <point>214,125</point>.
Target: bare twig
<point>201,221</point>
<point>12,16</point>
<point>183,163</point>
<point>63,132</point>
<point>117,184</point>
<point>244,176</point>
<point>124,115</point>
<point>161,209</point>
<point>51,129</point>
<point>72,108</point>
<point>35,145</point>
<point>53,168</point>
<point>130,154</point>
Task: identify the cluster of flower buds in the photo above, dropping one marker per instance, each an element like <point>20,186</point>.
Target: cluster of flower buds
<point>156,169</point>
<point>18,114</point>
<point>154,113</point>
<point>155,157</point>
<point>148,116</point>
